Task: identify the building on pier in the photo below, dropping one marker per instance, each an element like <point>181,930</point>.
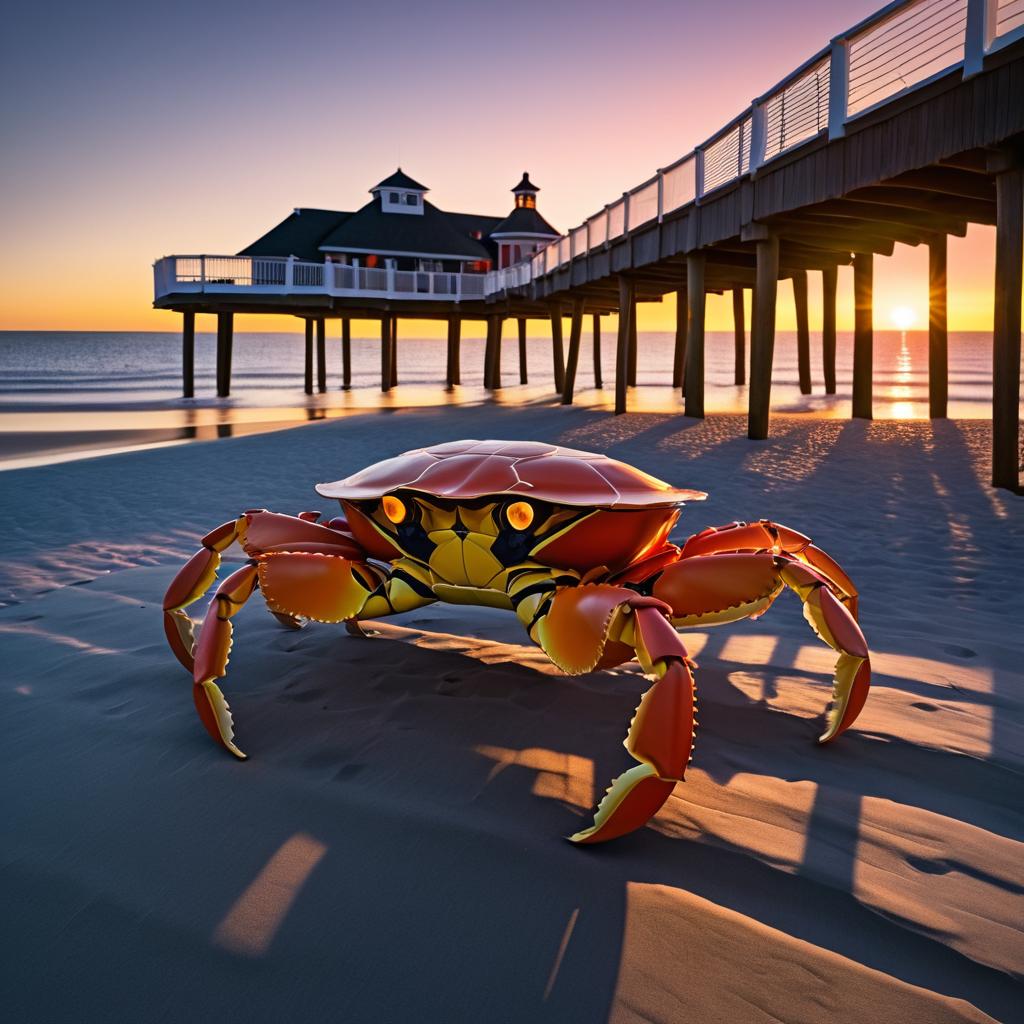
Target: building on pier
<point>399,229</point>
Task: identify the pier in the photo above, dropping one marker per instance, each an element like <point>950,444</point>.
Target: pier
<point>905,128</point>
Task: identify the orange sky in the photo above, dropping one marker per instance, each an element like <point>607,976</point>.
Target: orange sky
<point>134,137</point>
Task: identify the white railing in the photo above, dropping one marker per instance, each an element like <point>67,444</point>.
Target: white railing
<point>279,276</point>
<point>902,47</point>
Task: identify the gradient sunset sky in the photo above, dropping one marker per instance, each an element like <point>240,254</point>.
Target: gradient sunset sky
<point>133,130</point>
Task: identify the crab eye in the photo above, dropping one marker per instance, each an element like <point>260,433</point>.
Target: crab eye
<point>519,515</point>
<point>393,507</point>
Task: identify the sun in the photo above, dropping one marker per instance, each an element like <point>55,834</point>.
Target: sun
<point>903,317</point>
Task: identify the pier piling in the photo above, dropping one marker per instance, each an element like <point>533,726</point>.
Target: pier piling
<point>863,334</point>
<point>762,337</point>
<point>1007,324</point>
<point>696,300</point>
<point>321,355</point>
<point>308,367</point>
<point>557,350</point>
<point>627,312</point>
<point>225,343</point>
<point>938,348</point>
<point>829,281</point>
<point>452,368</point>
<point>575,336</point>
<point>679,353</point>
<point>188,355</point>
<point>803,331</point>
<point>521,323</point>
<point>346,353</point>
<point>598,382</point>
<point>739,329</point>
<point>385,353</point>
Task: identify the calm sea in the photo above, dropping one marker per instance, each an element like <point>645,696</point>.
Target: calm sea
<point>46,371</point>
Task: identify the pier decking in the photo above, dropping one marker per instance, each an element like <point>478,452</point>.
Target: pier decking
<point>905,128</point>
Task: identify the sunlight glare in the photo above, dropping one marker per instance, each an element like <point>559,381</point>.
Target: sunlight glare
<point>903,317</point>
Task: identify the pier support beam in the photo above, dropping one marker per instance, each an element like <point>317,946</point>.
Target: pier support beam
<point>632,348</point>
<point>452,372</point>
<point>829,281</point>
<point>679,353</point>
<point>803,331</point>
<point>225,342</point>
<point>385,353</point>
<point>696,300</point>
<point>521,324</point>
<point>307,376</point>
<point>863,334</point>
<point>627,311</point>
<point>188,355</point>
<point>739,329</point>
<point>346,353</point>
<point>557,350</point>
<point>575,337</point>
<point>762,337</point>
<point>321,355</point>
<point>492,353</point>
<point>598,382</point>
<point>938,354</point>
<point>1006,325</point>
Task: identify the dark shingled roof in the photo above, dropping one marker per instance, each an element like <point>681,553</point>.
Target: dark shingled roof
<point>400,180</point>
<point>524,221</point>
<point>525,185</point>
<point>299,234</point>
<point>432,232</point>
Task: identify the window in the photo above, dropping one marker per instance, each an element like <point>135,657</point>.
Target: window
<point>412,199</point>
<point>392,197</point>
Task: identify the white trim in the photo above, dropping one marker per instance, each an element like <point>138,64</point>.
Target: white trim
<point>403,252</point>
<point>523,234</point>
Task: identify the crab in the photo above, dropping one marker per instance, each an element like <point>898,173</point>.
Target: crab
<point>574,543</point>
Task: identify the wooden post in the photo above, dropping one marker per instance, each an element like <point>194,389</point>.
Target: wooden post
<point>575,336</point>
<point>393,338</point>
<point>627,310</point>
<point>739,329</point>
<point>499,324</point>
<point>598,382</point>
<point>188,355</point>
<point>803,331</point>
<point>321,355</point>
<point>679,356</point>
<point>762,337</point>
<point>863,338</point>
<point>457,352</point>
<point>695,302</point>
<point>522,350</point>
<point>829,281</point>
<point>938,361</point>
<point>631,378</point>
<point>449,372</point>
<point>557,351</point>
<point>225,340</point>
<point>488,352</point>
<point>346,353</point>
<point>308,368</point>
<point>385,353</point>
<point>1006,329</point>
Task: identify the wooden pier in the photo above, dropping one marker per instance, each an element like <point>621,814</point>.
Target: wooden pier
<point>905,128</point>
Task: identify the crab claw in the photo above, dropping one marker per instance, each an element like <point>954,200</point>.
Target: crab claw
<point>660,736</point>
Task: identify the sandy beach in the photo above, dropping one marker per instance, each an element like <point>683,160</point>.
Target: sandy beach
<point>393,851</point>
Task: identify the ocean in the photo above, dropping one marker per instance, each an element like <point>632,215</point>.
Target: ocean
<point>68,392</point>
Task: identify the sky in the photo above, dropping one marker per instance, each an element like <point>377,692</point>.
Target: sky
<point>130,131</point>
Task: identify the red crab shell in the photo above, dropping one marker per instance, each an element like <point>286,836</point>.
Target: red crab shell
<point>637,510</point>
<point>464,470</point>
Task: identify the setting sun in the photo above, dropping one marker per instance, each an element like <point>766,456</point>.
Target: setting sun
<point>903,317</point>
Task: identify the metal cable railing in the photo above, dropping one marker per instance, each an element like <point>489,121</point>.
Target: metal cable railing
<point>902,47</point>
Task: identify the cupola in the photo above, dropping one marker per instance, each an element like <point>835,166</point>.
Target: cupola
<point>400,194</point>
<point>526,193</point>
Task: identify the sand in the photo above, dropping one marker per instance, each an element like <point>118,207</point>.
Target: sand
<point>392,850</point>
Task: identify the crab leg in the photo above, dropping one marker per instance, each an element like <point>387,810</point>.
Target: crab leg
<point>594,624</point>
<point>711,589</point>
